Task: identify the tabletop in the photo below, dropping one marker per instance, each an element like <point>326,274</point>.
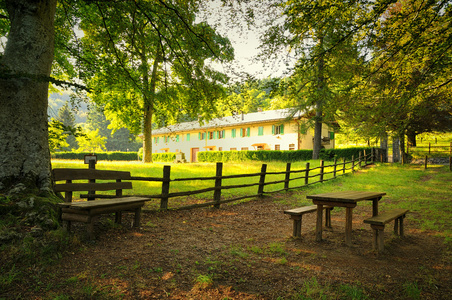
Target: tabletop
<point>347,196</point>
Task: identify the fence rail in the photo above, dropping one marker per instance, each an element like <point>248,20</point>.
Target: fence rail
<point>308,173</point>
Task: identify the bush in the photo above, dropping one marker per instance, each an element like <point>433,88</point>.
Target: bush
<point>160,157</point>
<point>275,155</point>
<point>100,156</point>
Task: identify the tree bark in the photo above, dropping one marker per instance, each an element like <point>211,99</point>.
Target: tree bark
<point>319,105</point>
<point>148,108</point>
<point>24,71</point>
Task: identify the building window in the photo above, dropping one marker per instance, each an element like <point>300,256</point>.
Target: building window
<point>277,147</point>
<point>220,134</point>
<point>201,135</point>
<point>166,138</point>
<point>260,131</point>
<point>244,132</point>
<point>277,129</point>
<point>220,148</point>
<point>331,134</point>
<point>244,148</point>
<point>233,133</point>
<point>233,149</point>
<point>156,139</point>
<point>188,137</point>
<point>291,146</point>
<point>211,135</point>
<point>260,147</point>
<point>177,138</point>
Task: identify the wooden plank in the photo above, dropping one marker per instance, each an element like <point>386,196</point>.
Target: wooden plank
<point>98,186</point>
<point>108,202</point>
<point>80,174</point>
<point>301,210</point>
<point>347,196</point>
<point>386,217</point>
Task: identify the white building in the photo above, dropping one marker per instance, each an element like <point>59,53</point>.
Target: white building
<point>266,130</point>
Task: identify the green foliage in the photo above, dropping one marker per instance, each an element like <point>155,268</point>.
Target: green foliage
<point>275,155</point>
<point>100,155</point>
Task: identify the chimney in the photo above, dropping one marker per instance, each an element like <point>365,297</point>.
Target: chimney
<point>243,116</point>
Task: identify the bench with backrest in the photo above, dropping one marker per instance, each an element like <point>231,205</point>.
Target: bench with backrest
<point>296,214</point>
<point>84,180</point>
<point>377,223</point>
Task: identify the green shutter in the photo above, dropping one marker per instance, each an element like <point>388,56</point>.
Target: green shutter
<point>241,132</point>
<point>177,138</point>
<point>261,130</point>
<point>273,129</point>
<point>224,133</point>
<point>233,132</point>
<point>188,137</point>
<point>199,135</point>
<point>282,129</point>
<point>331,135</point>
<point>248,131</point>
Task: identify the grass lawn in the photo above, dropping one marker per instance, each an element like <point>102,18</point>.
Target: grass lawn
<point>244,250</point>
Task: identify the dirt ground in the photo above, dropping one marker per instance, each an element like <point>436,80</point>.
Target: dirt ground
<point>245,251</point>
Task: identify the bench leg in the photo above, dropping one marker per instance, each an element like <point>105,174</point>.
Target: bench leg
<point>396,226</point>
<point>401,225</point>
<point>328,217</point>
<point>318,225</point>
<point>348,225</point>
<point>297,221</point>
<point>137,219</point>
<point>90,229</point>
<point>118,217</point>
<point>378,238</point>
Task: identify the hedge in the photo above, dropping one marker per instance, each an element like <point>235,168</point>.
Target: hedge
<point>275,155</point>
<point>100,155</point>
<point>225,156</point>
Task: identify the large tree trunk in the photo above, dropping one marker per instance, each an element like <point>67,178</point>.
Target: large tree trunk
<point>24,72</point>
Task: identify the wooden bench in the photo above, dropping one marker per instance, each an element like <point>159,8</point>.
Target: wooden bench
<point>296,215</point>
<point>378,225</point>
<point>88,211</point>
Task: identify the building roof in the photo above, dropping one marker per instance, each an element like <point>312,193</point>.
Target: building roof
<point>236,120</point>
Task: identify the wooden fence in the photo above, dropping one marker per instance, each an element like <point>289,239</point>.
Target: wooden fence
<point>305,176</point>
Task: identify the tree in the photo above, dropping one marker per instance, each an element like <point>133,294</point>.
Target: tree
<point>320,35</point>
<point>67,118</point>
<point>158,56</point>
<point>25,68</point>
<point>408,87</point>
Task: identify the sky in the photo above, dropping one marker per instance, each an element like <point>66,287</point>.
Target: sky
<point>245,43</point>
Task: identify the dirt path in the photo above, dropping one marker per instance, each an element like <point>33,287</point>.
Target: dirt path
<point>245,251</point>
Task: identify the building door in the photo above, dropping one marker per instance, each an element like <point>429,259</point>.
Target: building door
<point>194,154</point>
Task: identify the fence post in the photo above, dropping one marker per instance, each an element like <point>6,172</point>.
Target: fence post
<point>217,193</point>
<point>92,166</point>
<point>353,163</point>
<point>260,190</point>
<point>165,187</point>
<point>321,170</point>
<point>335,167</point>
<point>429,146</point>
<point>450,163</point>
<point>425,164</point>
<point>360,158</point>
<point>365,158</point>
<point>306,176</point>
<point>343,169</point>
<point>286,182</point>
<point>372,155</point>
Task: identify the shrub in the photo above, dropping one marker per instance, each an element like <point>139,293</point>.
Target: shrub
<point>100,155</point>
<point>275,155</point>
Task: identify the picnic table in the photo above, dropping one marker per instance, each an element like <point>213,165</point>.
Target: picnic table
<point>347,199</point>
